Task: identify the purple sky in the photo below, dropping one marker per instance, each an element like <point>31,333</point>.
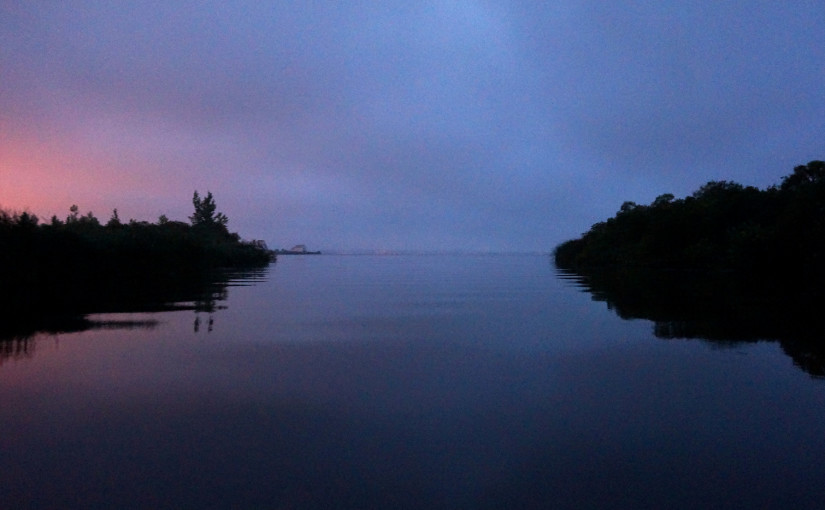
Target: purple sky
<point>474,125</point>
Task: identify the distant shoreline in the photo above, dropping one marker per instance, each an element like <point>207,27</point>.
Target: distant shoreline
<point>295,252</point>
<point>381,253</point>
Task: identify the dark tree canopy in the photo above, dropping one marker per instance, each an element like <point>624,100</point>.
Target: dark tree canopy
<point>803,175</point>
<point>205,215</point>
<point>48,266</point>
<point>723,226</point>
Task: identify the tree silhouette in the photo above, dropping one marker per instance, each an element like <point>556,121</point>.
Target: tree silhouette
<point>774,235</point>
<point>114,221</point>
<point>64,267</point>
<point>802,175</point>
<point>205,215</point>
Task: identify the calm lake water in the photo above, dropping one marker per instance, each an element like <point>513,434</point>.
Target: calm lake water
<point>403,382</point>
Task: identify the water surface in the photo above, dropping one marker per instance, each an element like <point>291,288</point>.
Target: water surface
<point>403,382</point>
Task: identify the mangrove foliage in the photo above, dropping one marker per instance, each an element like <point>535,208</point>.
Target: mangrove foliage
<point>79,262</point>
<point>777,233</point>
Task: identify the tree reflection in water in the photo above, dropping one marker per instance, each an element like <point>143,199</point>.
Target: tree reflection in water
<point>723,309</point>
<point>19,331</point>
<point>21,342</point>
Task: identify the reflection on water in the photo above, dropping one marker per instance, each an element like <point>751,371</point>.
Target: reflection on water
<point>16,348</point>
<point>17,345</point>
<point>399,382</point>
<point>201,295</point>
<point>724,311</point>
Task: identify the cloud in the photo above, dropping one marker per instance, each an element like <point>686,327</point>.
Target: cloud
<point>476,124</point>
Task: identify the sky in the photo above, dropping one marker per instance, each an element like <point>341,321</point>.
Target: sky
<point>418,125</point>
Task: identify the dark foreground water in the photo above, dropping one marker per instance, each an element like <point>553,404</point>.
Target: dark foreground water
<point>403,382</point>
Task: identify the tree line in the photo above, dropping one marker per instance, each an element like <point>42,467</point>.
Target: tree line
<point>723,226</point>
<point>64,262</point>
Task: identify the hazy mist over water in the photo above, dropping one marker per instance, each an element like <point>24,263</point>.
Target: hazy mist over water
<point>403,381</point>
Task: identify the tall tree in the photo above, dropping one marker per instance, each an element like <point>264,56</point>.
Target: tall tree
<point>205,215</point>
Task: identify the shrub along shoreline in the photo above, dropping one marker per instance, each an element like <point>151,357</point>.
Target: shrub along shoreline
<point>776,234</point>
<point>728,263</point>
<point>78,264</point>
